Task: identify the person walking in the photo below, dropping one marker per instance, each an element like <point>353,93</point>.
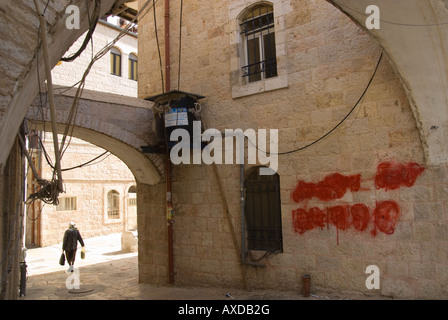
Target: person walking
<point>70,244</point>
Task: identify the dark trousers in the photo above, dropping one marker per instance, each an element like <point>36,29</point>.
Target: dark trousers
<point>70,256</point>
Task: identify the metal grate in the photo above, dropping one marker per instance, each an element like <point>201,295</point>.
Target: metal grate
<point>263,212</point>
<point>113,214</point>
<point>258,30</point>
<point>113,204</point>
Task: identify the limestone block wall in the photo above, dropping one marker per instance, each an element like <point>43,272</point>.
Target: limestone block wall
<point>89,186</point>
<point>100,77</point>
<point>362,196</point>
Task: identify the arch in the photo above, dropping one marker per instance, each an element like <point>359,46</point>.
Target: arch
<point>251,7</point>
<point>141,167</point>
<point>417,50</point>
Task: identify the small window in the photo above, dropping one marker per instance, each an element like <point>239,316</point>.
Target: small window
<point>132,201</point>
<point>262,210</point>
<point>132,67</point>
<point>113,204</point>
<point>66,204</point>
<point>257,31</point>
<point>115,62</point>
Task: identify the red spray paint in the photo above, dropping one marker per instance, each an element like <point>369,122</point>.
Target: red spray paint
<point>334,186</point>
<point>389,176</point>
<point>386,216</point>
<point>360,216</point>
<point>303,220</point>
<point>392,175</point>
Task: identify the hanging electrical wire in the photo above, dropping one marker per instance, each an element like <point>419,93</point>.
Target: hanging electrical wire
<point>93,21</point>
<point>73,111</point>
<point>56,182</point>
<point>158,46</point>
<point>391,22</point>
<point>335,127</point>
<point>49,190</point>
<point>180,43</point>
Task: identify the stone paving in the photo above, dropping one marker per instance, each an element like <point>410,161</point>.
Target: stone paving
<point>109,274</point>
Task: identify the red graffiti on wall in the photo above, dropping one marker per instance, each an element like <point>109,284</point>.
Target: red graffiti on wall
<point>360,215</point>
<point>384,216</point>
<point>392,176</point>
<point>334,186</point>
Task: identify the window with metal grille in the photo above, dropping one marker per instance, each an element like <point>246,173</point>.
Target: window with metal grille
<point>66,204</point>
<point>133,67</point>
<point>113,204</point>
<point>115,62</point>
<point>257,30</point>
<point>262,211</point>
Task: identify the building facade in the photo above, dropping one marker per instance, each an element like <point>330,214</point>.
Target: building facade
<point>352,187</point>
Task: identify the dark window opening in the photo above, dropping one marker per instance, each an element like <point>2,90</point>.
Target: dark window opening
<point>115,62</point>
<point>133,67</point>
<point>262,211</point>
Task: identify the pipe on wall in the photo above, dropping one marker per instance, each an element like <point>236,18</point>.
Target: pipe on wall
<point>243,219</point>
<point>168,162</point>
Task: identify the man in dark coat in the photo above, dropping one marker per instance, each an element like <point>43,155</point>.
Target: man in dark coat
<point>70,244</point>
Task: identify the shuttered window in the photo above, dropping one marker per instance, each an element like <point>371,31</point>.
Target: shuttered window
<point>115,62</point>
<point>262,211</point>
<point>132,67</point>
<point>66,204</point>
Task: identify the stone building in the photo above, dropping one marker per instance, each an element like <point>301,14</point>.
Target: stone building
<point>362,172</point>
<point>363,195</point>
<point>100,197</point>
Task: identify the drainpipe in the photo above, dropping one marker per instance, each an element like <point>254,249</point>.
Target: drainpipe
<point>243,220</point>
<point>170,220</point>
<point>167,46</point>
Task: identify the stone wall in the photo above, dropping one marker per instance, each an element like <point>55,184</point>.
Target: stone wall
<point>90,186</point>
<point>100,77</point>
<point>394,216</point>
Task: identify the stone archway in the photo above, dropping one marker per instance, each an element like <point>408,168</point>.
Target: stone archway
<point>412,33</point>
<point>122,130</point>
